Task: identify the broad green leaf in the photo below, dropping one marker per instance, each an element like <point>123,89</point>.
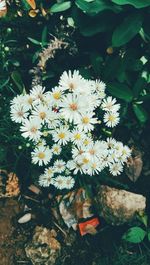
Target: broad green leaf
<point>135,3</point>
<point>89,26</point>
<point>16,77</point>
<point>127,29</point>
<point>34,41</point>
<point>120,91</point>
<point>134,235</point>
<point>139,86</point>
<point>140,113</point>
<point>60,7</point>
<point>94,7</point>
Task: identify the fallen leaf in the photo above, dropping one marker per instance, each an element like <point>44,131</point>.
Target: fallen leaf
<point>31,3</point>
<point>134,167</point>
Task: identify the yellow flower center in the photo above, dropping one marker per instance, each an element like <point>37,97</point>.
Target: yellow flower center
<point>77,136</point>
<point>33,129</point>
<point>85,120</point>
<point>41,155</point>
<point>85,160</point>
<point>42,115</point>
<point>61,135</point>
<point>86,142</point>
<point>92,151</point>
<point>56,95</point>
<point>71,86</point>
<point>111,118</point>
<point>20,113</point>
<point>30,101</point>
<point>49,171</point>
<point>73,106</point>
<point>56,149</point>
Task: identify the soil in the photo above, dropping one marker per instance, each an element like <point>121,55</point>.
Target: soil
<point>12,239</point>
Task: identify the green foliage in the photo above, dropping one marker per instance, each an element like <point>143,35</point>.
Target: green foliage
<point>130,26</point>
<point>106,39</point>
<point>134,235</point>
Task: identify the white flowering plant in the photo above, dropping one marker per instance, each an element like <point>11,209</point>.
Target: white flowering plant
<point>60,126</point>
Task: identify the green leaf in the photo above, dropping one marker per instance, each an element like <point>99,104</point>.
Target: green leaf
<point>34,41</point>
<point>127,29</point>
<point>139,86</point>
<point>140,113</point>
<point>16,77</point>
<point>89,26</point>
<point>4,83</point>
<point>120,91</point>
<point>60,7</point>
<point>134,235</point>
<point>135,3</point>
<point>44,35</point>
<point>94,7</point>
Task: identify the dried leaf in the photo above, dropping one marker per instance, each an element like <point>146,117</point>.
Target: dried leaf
<point>134,167</point>
<point>31,3</point>
<point>74,206</point>
<point>34,189</point>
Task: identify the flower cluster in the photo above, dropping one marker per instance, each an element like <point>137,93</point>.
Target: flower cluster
<point>60,125</point>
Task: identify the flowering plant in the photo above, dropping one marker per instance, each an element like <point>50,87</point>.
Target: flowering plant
<point>60,125</point>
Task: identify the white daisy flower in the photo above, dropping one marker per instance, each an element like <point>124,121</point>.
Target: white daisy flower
<point>59,166</point>
<point>78,151</point>
<point>111,119</point>
<point>37,93</point>
<point>87,141</point>
<point>109,104</point>
<point>86,122</point>
<point>56,96</point>
<point>71,81</point>
<point>60,182</point>
<point>18,100</point>
<point>49,171</point>
<point>56,149</point>
<point>97,150</point>
<point>94,167</point>
<point>111,142</point>
<point>53,120</point>
<point>72,106</point>
<point>69,182</point>
<point>77,137</point>
<point>29,101</point>
<point>31,129</point>
<point>115,169</point>
<point>18,113</point>
<point>75,166</point>
<point>45,180</point>
<point>41,155</point>
<point>61,135</point>
<point>41,113</point>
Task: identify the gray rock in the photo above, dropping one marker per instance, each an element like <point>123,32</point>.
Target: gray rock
<point>119,206</point>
